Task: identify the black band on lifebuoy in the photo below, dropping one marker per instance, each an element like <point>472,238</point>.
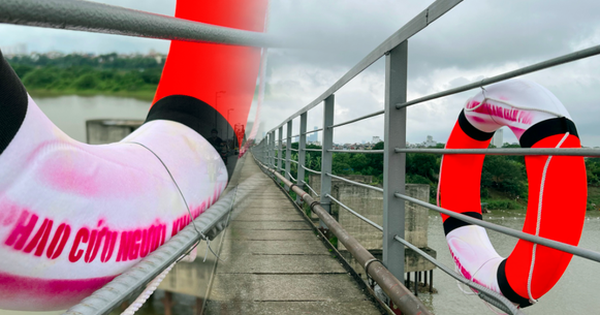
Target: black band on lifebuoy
<point>191,112</point>
<point>452,223</point>
<point>506,290</point>
<point>547,128</point>
<point>13,104</point>
<point>199,116</point>
<point>470,130</point>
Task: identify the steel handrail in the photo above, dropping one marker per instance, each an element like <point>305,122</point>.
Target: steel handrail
<point>581,54</point>
<point>313,131</point>
<point>126,285</point>
<point>577,251</point>
<point>508,151</point>
<point>484,293</point>
<point>108,19</point>
<point>355,183</point>
<point>311,170</point>
<point>358,215</point>
<point>358,151</point>
<point>381,112</point>
<point>398,293</point>
<point>414,26</point>
<point>310,188</point>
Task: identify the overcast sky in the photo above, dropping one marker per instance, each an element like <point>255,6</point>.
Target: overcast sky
<point>477,39</point>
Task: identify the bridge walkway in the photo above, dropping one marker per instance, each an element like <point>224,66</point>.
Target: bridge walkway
<point>273,262</point>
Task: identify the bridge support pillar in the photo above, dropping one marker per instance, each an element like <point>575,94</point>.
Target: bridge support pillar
<point>394,165</point>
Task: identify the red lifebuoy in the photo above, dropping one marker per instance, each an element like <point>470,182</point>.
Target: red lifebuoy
<point>557,189</point>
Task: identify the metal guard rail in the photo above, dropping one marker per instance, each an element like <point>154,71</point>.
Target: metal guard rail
<point>101,18</point>
<point>484,293</point>
<point>355,183</point>
<point>577,251</point>
<point>398,293</point>
<point>508,151</point>
<point>129,283</point>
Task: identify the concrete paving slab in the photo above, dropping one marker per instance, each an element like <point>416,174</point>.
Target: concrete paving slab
<point>278,264</point>
<point>274,263</point>
<point>328,287</point>
<point>269,217</point>
<point>296,247</point>
<point>270,225</point>
<point>279,235</point>
<point>305,307</point>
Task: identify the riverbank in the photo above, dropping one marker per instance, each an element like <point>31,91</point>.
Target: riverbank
<point>142,95</point>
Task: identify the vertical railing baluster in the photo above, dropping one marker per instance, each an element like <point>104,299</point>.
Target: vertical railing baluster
<point>301,153</point>
<point>394,165</point>
<point>272,149</point>
<point>288,150</point>
<point>326,156</point>
<point>280,150</point>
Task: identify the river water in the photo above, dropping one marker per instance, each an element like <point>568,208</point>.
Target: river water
<point>576,292</point>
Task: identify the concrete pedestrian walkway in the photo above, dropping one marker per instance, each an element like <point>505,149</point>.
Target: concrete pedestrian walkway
<point>273,262</point>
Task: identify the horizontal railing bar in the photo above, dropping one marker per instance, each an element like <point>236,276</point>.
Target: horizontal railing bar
<point>292,161</point>
<point>311,189</point>
<point>581,54</point>
<point>292,177</point>
<point>313,131</point>
<point>581,252</point>
<point>357,119</point>
<point>508,306</point>
<point>355,183</point>
<point>127,284</point>
<point>292,149</point>
<point>375,225</point>
<point>101,18</point>
<point>298,135</point>
<point>311,170</point>
<point>508,151</point>
<point>314,150</point>
<point>419,22</point>
<point>357,151</point>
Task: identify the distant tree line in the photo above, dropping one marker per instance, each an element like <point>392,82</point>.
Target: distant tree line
<point>503,178</point>
<point>75,72</point>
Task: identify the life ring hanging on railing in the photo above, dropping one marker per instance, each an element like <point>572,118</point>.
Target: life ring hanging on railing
<point>557,189</point>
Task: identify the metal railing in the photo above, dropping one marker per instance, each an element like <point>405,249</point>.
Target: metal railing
<point>102,18</point>
<point>396,57</point>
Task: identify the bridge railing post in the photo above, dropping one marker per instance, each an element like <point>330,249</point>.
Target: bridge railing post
<point>272,149</point>
<point>394,165</point>
<point>280,150</point>
<point>288,150</point>
<point>301,153</point>
<point>326,155</point>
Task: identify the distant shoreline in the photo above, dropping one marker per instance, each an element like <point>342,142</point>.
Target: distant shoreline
<point>144,95</point>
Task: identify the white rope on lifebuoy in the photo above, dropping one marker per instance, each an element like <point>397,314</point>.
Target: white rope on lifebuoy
<point>539,220</point>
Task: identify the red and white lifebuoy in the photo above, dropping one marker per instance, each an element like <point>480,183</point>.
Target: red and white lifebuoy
<point>557,189</point>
